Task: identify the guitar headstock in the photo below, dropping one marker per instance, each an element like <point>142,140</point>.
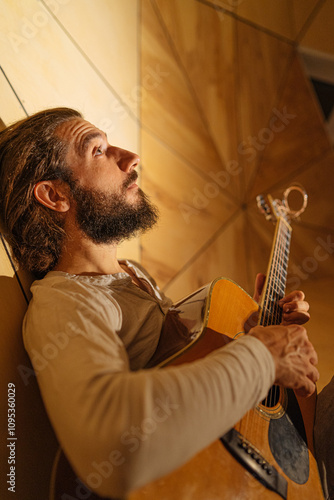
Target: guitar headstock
<point>275,209</point>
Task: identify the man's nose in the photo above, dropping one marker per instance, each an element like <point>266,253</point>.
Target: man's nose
<point>126,160</point>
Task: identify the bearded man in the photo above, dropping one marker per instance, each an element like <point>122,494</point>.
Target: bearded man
<point>68,198</point>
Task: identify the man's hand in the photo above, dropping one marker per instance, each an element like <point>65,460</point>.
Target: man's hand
<point>294,356</point>
<point>295,308</point>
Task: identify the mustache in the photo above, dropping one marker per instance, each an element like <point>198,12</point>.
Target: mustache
<point>132,177</point>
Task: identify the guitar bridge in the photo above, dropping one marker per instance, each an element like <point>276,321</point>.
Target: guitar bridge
<point>250,458</point>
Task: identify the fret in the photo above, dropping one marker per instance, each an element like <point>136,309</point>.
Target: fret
<point>274,289</point>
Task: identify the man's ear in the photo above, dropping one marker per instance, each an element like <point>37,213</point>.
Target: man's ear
<point>52,194</point>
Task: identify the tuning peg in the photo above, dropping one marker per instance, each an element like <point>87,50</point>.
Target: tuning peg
<point>263,207</point>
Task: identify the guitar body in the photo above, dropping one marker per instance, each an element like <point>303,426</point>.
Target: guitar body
<point>278,434</point>
<point>282,429</point>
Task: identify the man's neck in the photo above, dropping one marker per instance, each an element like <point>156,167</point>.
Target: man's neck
<point>82,256</point>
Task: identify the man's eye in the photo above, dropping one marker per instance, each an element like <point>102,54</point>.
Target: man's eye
<point>98,151</point>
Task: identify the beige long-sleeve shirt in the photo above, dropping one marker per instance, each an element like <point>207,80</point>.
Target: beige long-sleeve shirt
<point>121,425</point>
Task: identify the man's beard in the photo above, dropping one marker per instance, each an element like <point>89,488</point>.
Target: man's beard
<point>110,218</point>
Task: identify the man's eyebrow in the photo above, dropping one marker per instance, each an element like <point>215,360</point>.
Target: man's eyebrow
<point>82,146</point>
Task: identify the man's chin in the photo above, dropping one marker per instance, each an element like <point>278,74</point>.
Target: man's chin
<point>135,202</point>
<point>134,193</point>
<point>136,196</point>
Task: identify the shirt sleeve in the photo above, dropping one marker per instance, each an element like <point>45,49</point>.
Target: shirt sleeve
<point>105,415</point>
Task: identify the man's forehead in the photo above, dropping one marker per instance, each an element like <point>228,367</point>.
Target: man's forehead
<point>78,132</point>
<point>74,129</point>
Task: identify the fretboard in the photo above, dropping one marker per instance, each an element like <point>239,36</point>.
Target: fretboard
<point>274,289</point>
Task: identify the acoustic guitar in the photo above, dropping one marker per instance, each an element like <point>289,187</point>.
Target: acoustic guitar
<point>269,453</point>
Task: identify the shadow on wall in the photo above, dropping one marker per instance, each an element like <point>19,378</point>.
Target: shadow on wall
<point>28,444</point>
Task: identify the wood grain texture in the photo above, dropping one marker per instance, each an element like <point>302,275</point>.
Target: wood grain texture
<point>169,111</point>
<point>319,35</point>
<point>263,62</point>
<point>285,18</point>
<point>301,139</point>
<point>225,255</point>
<point>211,69</point>
<point>188,209</point>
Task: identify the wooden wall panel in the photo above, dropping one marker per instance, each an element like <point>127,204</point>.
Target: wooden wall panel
<point>300,138</point>
<point>107,34</point>
<point>10,108</point>
<point>191,210</point>
<point>258,235</point>
<point>263,62</point>
<point>303,14</point>
<point>169,111</point>
<point>49,70</point>
<point>312,259</point>
<point>211,69</point>
<point>320,34</point>
<point>283,17</point>
<point>224,255</point>
<point>224,6</point>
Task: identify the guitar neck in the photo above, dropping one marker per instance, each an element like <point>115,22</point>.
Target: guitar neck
<point>274,288</point>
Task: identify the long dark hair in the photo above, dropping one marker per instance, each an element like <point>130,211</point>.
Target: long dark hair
<point>30,151</point>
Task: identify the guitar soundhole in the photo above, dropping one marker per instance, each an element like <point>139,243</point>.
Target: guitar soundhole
<point>273,397</point>
<point>275,404</point>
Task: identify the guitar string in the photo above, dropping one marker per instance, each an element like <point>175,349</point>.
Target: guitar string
<point>275,296</point>
<point>279,292</point>
<point>271,291</point>
<point>275,291</point>
<point>268,304</point>
<point>271,312</point>
<point>247,427</point>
